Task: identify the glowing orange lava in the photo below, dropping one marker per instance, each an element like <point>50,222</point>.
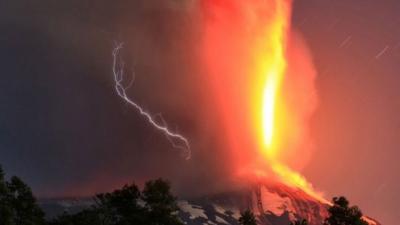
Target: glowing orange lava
<point>273,67</point>
<point>246,54</point>
<point>273,64</point>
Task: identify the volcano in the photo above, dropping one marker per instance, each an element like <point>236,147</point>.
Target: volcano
<point>272,203</point>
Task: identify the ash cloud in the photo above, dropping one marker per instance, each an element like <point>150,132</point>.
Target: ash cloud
<point>65,130</point>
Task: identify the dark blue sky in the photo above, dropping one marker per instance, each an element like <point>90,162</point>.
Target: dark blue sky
<point>64,130</point>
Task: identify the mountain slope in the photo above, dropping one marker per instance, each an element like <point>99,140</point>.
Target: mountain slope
<point>273,204</point>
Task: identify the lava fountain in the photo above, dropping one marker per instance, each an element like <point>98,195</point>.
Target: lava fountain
<point>262,78</point>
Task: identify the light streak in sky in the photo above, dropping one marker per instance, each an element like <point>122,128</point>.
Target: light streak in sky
<point>177,140</point>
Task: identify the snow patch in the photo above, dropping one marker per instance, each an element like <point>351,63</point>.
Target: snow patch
<point>220,220</point>
<point>193,210</point>
<point>274,203</point>
<point>219,209</point>
<point>236,213</point>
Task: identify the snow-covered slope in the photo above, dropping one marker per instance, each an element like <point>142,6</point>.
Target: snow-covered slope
<point>275,204</point>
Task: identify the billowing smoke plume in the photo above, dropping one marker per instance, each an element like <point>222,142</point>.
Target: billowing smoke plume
<point>93,141</point>
<point>236,41</point>
<point>301,100</point>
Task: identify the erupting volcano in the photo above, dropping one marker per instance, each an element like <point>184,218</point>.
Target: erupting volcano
<point>262,75</point>
<point>275,110</point>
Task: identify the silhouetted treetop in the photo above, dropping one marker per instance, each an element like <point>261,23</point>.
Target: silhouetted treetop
<point>299,222</point>
<point>155,205</point>
<point>18,206</point>
<point>247,218</point>
<point>340,213</point>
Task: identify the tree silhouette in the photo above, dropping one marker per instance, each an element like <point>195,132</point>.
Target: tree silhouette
<point>25,209</point>
<point>121,207</point>
<point>342,214</point>
<point>17,204</point>
<point>299,222</point>
<point>85,217</point>
<point>160,203</point>
<point>247,218</point>
<point>155,205</point>
<point>5,208</point>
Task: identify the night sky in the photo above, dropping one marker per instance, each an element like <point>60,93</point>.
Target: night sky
<point>64,130</point>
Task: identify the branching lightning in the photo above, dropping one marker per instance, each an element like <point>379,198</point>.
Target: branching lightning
<point>177,140</point>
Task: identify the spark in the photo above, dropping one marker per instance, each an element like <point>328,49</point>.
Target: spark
<point>178,141</point>
<point>382,52</point>
<point>346,41</point>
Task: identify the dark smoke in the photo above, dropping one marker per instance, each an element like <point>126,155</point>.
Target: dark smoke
<point>64,128</point>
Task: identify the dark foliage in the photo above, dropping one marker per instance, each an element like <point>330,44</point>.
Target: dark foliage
<point>18,206</point>
<point>128,206</point>
<point>5,208</point>
<point>121,207</point>
<point>299,222</point>
<point>342,214</point>
<point>86,217</point>
<point>160,204</point>
<point>247,218</point>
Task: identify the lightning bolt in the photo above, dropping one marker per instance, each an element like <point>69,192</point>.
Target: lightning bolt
<point>177,140</point>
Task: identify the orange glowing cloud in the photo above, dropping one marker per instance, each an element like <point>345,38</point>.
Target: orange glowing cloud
<point>262,78</point>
